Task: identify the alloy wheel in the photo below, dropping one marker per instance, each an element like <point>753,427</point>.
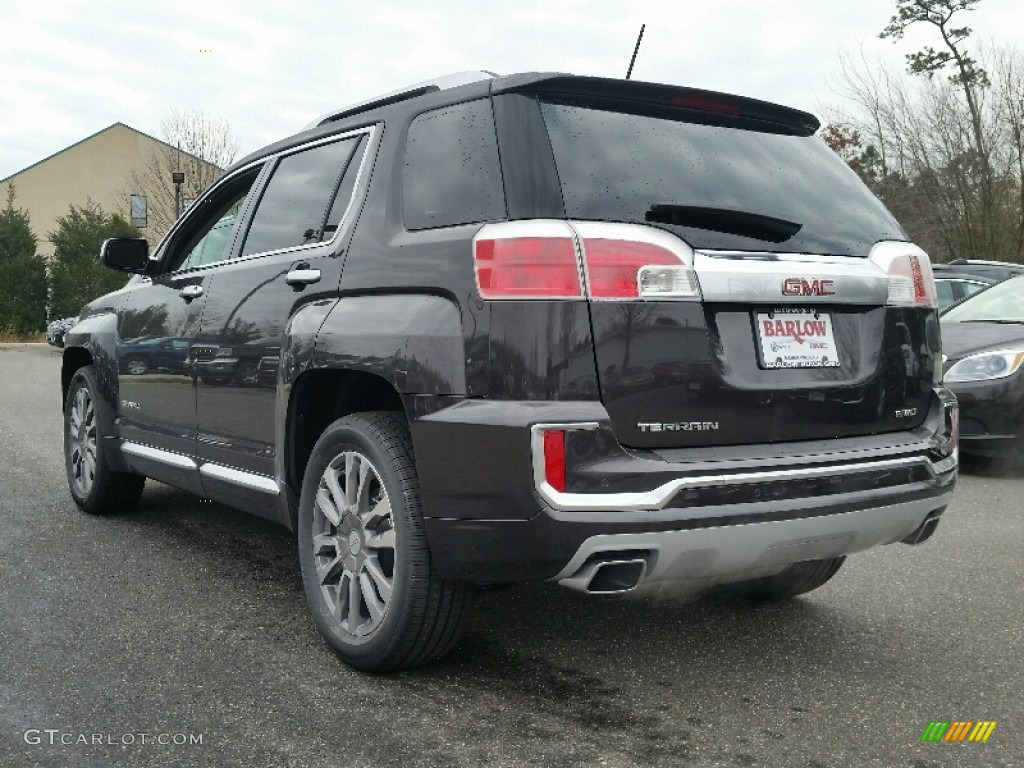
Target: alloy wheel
<point>82,441</point>
<point>354,544</point>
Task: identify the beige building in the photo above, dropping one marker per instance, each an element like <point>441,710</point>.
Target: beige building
<point>105,168</point>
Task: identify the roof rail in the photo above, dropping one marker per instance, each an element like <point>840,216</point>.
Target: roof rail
<point>408,92</point>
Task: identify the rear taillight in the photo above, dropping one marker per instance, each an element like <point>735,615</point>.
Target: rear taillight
<point>546,260</point>
<point>527,260</point>
<point>910,274</point>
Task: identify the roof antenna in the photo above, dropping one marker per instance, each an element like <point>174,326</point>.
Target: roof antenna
<point>632,61</point>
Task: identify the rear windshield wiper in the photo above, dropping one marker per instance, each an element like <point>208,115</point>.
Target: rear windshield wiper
<point>732,222</point>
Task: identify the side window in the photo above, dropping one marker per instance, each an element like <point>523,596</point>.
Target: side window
<point>293,209</point>
<point>452,173</point>
<point>343,196</point>
<point>206,235</point>
<point>944,291</point>
<point>970,288</point>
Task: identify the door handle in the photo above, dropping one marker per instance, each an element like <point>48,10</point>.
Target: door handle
<point>190,292</point>
<point>302,276</point>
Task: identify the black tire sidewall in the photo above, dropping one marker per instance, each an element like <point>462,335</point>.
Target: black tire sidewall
<point>355,433</point>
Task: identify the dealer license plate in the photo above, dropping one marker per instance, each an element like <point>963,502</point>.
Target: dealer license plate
<point>796,338</point>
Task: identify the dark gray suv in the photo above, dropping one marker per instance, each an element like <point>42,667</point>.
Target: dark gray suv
<point>538,327</point>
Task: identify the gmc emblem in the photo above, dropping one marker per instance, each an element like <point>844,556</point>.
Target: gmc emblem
<point>798,286</point>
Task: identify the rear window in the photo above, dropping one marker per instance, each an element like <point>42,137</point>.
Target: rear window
<point>716,187</point>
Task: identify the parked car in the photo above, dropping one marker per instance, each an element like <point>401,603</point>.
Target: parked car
<point>57,329</point>
<point>153,354</point>
<point>960,278</point>
<point>983,340</point>
<point>542,327</point>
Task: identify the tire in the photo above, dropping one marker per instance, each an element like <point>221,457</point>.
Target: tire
<point>95,487</point>
<point>367,573</point>
<point>797,579</point>
<point>135,366</point>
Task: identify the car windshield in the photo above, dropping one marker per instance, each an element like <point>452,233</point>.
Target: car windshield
<point>1002,303</point>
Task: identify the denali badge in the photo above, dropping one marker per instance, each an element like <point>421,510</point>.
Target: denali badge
<point>798,286</point>
<point>906,413</point>
<point>130,404</point>
<point>677,426</point>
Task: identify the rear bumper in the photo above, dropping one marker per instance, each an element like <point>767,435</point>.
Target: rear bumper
<point>693,514</point>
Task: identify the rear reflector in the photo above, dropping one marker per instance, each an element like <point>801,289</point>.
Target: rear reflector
<point>554,459</point>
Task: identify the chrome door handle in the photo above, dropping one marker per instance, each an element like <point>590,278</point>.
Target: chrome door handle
<point>299,277</point>
<point>190,292</point>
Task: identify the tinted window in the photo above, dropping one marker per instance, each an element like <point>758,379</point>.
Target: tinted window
<point>452,174</point>
<point>205,234</point>
<point>343,196</point>
<point>294,204</point>
<point>717,187</point>
<point>945,293</point>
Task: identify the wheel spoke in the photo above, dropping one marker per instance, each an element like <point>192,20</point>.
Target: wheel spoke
<point>353,603</point>
<point>352,462</point>
<point>373,604</point>
<point>331,478</point>
<point>371,518</point>
<point>327,572</point>
<point>341,592</point>
<point>382,582</point>
<point>323,542</point>
<point>382,540</point>
<point>325,504</point>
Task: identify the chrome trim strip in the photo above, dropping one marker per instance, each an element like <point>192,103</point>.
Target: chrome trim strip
<point>157,454</point>
<point>755,277</point>
<point>659,497</point>
<point>238,477</point>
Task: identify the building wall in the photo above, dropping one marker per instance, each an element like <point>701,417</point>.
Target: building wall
<point>98,168</point>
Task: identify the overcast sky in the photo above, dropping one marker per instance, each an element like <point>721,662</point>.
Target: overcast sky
<point>69,68</point>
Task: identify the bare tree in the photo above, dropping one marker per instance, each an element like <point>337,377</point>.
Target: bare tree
<point>196,144</point>
<point>943,153</point>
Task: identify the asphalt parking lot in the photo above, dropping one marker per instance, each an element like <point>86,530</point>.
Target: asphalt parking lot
<point>121,637</point>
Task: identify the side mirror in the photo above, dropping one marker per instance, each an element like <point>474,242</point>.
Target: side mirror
<point>127,254</point>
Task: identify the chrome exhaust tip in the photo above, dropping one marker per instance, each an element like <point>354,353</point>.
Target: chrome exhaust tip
<point>607,577</point>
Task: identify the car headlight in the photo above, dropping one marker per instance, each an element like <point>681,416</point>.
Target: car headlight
<point>986,366</point>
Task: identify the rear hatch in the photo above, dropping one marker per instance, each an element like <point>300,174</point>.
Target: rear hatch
<point>795,308</point>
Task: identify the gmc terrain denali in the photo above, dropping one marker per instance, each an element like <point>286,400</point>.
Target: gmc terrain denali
<point>497,329</point>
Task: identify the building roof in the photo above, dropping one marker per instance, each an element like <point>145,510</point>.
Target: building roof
<point>93,136</point>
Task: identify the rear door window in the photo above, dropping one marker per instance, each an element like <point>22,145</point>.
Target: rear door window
<point>293,210</point>
<point>717,187</point>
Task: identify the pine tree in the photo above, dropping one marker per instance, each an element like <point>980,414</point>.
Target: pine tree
<point>77,276</point>
<point>23,283</point>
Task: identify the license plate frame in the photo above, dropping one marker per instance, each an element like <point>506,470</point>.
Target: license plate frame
<point>795,338</point>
